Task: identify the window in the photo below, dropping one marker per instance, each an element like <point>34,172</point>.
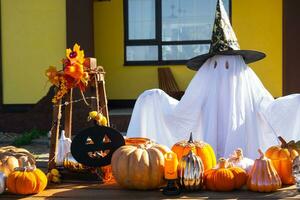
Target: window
<point>159,32</point>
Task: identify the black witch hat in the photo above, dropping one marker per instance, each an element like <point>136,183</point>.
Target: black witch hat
<point>224,42</point>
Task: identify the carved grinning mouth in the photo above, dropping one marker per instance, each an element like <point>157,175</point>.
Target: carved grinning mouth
<point>98,154</point>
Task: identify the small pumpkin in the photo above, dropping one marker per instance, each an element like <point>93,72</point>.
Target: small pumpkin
<point>225,177</point>
<point>139,167</point>
<point>238,160</point>
<point>201,149</point>
<point>26,180</point>
<point>282,158</point>
<point>8,164</point>
<point>191,170</point>
<point>263,176</point>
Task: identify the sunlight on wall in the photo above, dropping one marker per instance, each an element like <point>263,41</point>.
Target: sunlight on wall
<point>33,37</point>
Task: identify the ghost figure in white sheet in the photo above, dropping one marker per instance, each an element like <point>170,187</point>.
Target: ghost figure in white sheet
<point>225,104</point>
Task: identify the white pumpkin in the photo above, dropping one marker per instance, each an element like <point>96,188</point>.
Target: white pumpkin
<point>238,160</point>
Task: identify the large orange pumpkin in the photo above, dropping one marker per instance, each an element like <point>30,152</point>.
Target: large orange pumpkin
<point>139,167</point>
<point>224,177</point>
<point>282,158</point>
<point>263,176</point>
<point>201,149</point>
<point>26,180</point>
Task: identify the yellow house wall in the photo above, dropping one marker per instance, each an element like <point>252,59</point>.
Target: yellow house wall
<point>33,37</point>
<point>258,25</point>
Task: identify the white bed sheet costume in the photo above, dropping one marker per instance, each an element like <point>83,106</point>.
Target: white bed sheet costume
<point>225,104</point>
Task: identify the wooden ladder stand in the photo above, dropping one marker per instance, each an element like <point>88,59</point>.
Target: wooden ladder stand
<point>101,103</point>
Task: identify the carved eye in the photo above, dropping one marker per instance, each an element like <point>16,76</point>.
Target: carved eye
<point>226,65</point>
<point>106,139</point>
<point>215,65</point>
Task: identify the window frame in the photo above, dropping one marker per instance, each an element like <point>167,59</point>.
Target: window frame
<point>158,40</point>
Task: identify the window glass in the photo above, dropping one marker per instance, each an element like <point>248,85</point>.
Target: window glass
<point>141,53</point>
<point>187,19</point>
<point>183,52</point>
<point>141,19</point>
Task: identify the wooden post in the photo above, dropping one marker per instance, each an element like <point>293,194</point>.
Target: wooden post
<point>68,114</point>
<point>54,134</point>
<point>103,98</point>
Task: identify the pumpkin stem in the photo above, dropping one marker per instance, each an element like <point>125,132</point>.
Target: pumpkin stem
<point>262,155</point>
<point>222,163</point>
<point>239,153</point>
<point>283,142</point>
<point>191,138</point>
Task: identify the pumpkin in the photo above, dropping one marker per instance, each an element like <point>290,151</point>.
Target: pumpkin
<point>8,164</point>
<point>191,172</point>
<point>94,146</point>
<point>11,157</point>
<point>238,160</point>
<point>136,141</point>
<point>139,167</point>
<point>26,180</point>
<point>201,149</point>
<point>224,177</point>
<point>282,158</point>
<point>263,176</point>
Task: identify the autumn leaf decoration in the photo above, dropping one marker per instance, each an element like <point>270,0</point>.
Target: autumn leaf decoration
<point>73,75</point>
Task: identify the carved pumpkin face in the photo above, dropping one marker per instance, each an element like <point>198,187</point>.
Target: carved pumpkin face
<point>94,146</point>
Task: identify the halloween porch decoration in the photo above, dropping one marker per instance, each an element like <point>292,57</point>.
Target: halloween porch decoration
<point>224,42</point>
<point>64,146</point>
<point>139,167</point>
<point>71,164</point>
<point>2,182</point>
<point>136,141</point>
<point>238,160</point>
<point>54,176</point>
<point>218,104</point>
<point>282,158</point>
<point>225,178</point>
<point>11,157</point>
<point>202,149</point>
<point>191,170</point>
<point>26,180</point>
<point>82,74</point>
<point>94,146</point>
<point>263,176</point>
<point>296,171</point>
<point>170,174</point>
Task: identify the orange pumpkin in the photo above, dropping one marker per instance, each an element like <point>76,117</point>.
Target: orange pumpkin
<point>26,180</point>
<point>263,176</point>
<point>282,158</point>
<point>224,177</point>
<point>136,141</point>
<point>201,149</point>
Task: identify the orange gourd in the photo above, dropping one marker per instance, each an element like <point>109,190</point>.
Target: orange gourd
<point>224,177</point>
<point>263,176</point>
<point>282,158</point>
<point>26,180</point>
<point>201,149</point>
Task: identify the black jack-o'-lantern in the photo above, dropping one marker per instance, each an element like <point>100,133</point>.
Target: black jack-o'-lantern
<point>94,146</point>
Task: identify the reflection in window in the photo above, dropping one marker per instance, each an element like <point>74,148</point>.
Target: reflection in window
<point>168,31</point>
